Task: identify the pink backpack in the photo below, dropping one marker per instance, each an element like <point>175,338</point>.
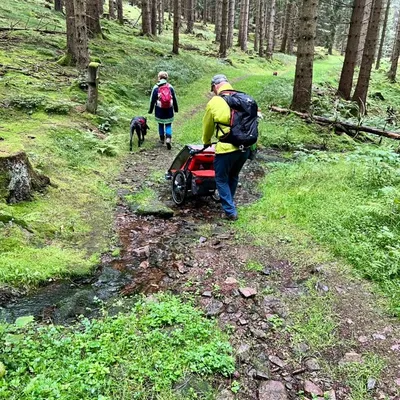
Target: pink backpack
<point>164,96</point>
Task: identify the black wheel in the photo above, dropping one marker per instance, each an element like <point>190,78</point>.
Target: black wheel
<point>215,196</point>
<point>179,187</point>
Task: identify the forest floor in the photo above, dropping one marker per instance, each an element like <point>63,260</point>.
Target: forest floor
<point>258,295</point>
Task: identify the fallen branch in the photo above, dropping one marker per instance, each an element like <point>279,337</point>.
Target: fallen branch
<point>340,126</point>
<point>4,29</point>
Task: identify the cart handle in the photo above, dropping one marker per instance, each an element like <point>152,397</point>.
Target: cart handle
<point>205,146</point>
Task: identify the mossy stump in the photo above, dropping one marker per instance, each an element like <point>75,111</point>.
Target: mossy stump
<point>18,179</point>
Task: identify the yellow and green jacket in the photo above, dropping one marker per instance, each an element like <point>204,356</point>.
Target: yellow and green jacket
<point>218,111</point>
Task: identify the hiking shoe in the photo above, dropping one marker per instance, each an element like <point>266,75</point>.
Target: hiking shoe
<point>230,217</point>
<point>168,141</point>
<point>162,139</point>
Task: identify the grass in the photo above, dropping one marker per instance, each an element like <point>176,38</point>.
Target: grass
<point>138,354</point>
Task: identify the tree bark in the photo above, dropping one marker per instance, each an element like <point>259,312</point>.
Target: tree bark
<point>271,31</point>
<point>160,5</point>
<point>177,20</point>
<point>231,23</point>
<point>293,30</point>
<point>361,90</point>
<point>246,9</point>
<point>93,84</point>
<point>364,30</point>
<point>383,36</point>
<point>350,58</point>
<point>120,12</point>
<point>218,20</point>
<point>224,29</point>
<point>257,25</point>
<point>111,9</point>
<point>58,6</point>
<point>341,126</point>
<point>305,56</point>
<point>287,26</point>
<point>395,55</point>
<point>153,21</point>
<point>263,5</point>
<point>70,26</point>
<point>146,17</point>
<point>81,37</point>
<point>93,18</point>
<point>18,179</point>
<point>189,16</point>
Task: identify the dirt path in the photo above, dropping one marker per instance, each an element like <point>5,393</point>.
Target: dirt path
<point>195,253</point>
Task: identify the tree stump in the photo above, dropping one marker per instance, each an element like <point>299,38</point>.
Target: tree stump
<point>93,83</point>
<point>18,179</point>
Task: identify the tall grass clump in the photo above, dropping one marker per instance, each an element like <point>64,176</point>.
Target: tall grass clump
<point>351,203</point>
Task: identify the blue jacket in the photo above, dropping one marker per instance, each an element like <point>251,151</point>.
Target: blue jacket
<point>163,115</point>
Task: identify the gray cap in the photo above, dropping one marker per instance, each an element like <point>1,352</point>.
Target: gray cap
<point>216,79</point>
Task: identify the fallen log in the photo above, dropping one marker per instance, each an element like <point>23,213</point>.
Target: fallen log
<point>51,32</point>
<point>340,126</point>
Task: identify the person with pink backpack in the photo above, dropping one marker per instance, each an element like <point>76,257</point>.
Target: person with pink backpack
<point>163,102</point>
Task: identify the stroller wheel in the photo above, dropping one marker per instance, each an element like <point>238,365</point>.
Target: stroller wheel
<point>179,187</point>
<point>215,196</point>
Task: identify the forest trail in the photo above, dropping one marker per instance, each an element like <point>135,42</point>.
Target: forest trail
<point>196,254</point>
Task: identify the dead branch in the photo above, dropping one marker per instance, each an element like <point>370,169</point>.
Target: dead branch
<point>340,126</point>
<point>9,29</point>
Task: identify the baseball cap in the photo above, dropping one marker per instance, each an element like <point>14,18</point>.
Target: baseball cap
<point>216,79</point>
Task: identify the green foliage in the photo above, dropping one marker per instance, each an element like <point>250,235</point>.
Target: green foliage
<point>128,356</point>
<point>356,375</point>
<point>350,203</point>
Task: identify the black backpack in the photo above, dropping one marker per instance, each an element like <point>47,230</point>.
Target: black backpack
<point>244,119</point>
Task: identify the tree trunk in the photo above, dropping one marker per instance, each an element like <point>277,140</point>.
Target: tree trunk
<point>257,24</point>
<point>361,90</point>
<point>101,8</point>
<point>271,31</point>
<point>58,5</point>
<point>18,180</point>
<point>120,12</point>
<point>153,8</point>
<point>205,11</point>
<point>224,28</point>
<point>160,5</point>
<point>334,18</point>
<point>218,20</point>
<point>70,25</point>
<point>177,21</point>
<point>243,45</point>
<point>261,28</point>
<point>81,37</point>
<point>350,58</point>
<point>93,18</point>
<point>395,55</point>
<point>189,16</point>
<point>146,17</point>
<point>287,26</point>
<point>111,9</point>
<point>383,35</point>
<point>241,16</point>
<point>305,56</point>
<point>293,30</point>
<point>364,30</point>
<point>231,23</point>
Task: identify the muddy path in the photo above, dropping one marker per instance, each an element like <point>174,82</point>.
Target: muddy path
<point>197,254</point>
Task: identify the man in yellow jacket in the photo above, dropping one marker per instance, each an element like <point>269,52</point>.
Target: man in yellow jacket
<point>229,160</point>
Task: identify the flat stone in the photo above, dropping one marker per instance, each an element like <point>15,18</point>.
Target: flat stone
<point>261,375</point>
<point>207,293</point>
<point>214,307</point>
<point>312,388</point>
<point>397,381</point>
<point>225,395</point>
<point>351,357</point>
<point>371,383</point>
<point>243,352</point>
<point>363,339</point>
<point>230,281</point>
<point>312,365</point>
<point>379,336</point>
<point>277,361</point>
<point>395,347</point>
<point>272,390</point>
<point>202,239</point>
<point>258,333</point>
<point>247,292</point>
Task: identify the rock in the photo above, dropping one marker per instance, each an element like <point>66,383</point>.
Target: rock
<point>312,365</point>
<point>202,239</point>
<point>397,381</point>
<point>277,361</point>
<point>261,375</point>
<point>301,348</point>
<point>312,388</point>
<point>395,347</point>
<point>214,307</point>
<point>272,390</point>
<point>242,321</point>
<point>371,383</point>
<point>247,292</point>
<point>330,395</point>
<point>230,281</point>
<point>266,271</point>
<point>243,352</point>
<point>351,357</point>
<point>363,339</point>
<point>379,336</point>
<point>149,207</point>
<point>321,287</point>
<point>225,395</point>
<point>258,333</point>
<point>207,293</point>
